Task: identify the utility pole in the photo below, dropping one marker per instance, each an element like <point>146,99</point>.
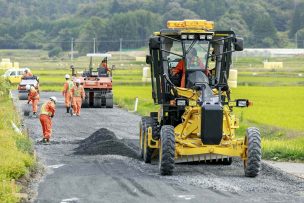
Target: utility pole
<point>296,39</point>
<point>72,49</point>
<point>120,48</point>
<point>94,44</point>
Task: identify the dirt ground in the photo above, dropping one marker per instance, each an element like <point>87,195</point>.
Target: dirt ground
<point>94,158</point>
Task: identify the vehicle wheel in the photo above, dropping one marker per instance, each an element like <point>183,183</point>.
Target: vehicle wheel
<point>85,103</point>
<point>252,165</point>
<point>147,155</point>
<point>23,96</point>
<point>97,102</point>
<point>167,150</point>
<point>109,103</point>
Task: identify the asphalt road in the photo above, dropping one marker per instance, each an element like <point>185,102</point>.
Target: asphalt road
<point>113,178</point>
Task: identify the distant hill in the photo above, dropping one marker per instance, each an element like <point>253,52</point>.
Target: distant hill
<point>51,24</point>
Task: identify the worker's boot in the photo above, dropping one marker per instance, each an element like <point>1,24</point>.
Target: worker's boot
<point>68,109</point>
<point>45,141</point>
<point>34,115</point>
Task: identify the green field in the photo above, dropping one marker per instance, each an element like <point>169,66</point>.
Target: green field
<point>277,95</point>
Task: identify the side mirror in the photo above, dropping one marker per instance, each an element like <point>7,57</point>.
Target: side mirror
<point>239,44</point>
<point>148,59</point>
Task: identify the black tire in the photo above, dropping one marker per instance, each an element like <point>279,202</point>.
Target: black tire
<point>252,165</point>
<point>147,154</point>
<point>167,150</point>
<point>109,103</point>
<point>97,102</point>
<point>85,103</point>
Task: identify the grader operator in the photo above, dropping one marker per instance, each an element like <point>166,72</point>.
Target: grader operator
<point>190,65</point>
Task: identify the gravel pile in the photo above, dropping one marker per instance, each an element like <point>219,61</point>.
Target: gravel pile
<point>104,142</point>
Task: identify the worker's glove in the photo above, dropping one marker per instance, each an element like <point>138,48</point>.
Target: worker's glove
<point>52,116</point>
<point>28,102</point>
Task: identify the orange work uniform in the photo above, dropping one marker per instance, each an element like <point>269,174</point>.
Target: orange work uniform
<point>78,95</point>
<point>105,66</point>
<point>47,112</point>
<point>180,68</point>
<point>67,93</point>
<point>33,97</point>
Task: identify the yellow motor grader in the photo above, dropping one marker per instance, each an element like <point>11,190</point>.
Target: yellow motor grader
<point>190,65</point>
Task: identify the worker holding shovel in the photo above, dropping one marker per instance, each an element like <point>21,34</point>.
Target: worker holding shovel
<point>33,96</point>
<point>47,112</point>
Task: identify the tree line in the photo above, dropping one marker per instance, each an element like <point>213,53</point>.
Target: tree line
<point>51,24</point>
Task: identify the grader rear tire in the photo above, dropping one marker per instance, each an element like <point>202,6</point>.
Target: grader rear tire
<point>167,150</point>
<point>147,155</point>
<point>252,165</point>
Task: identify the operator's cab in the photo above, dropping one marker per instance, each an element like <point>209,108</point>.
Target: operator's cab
<point>190,57</point>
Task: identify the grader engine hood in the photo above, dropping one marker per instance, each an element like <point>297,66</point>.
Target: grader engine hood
<point>211,124</point>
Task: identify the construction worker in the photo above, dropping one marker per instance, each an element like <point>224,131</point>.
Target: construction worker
<point>193,61</point>
<point>47,112</point>
<point>103,67</point>
<point>27,73</point>
<point>33,96</point>
<point>67,92</point>
<point>78,96</point>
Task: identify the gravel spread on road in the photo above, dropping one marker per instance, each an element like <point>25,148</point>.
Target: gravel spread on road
<point>104,142</point>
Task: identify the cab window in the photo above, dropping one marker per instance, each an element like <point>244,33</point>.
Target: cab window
<point>13,73</point>
<point>196,54</point>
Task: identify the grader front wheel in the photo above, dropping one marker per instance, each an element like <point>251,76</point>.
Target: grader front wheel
<point>252,165</point>
<point>167,150</point>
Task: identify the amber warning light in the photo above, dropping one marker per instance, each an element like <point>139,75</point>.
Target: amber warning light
<point>191,24</point>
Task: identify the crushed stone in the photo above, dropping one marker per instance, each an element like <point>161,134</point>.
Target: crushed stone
<point>104,142</point>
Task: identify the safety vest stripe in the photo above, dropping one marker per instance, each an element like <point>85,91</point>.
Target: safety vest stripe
<point>77,91</point>
<point>44,110</point>
<point>70,85</point>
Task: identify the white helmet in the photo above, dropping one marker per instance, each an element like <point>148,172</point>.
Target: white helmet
<point>28,87</point>
<point>67,76</point>
<point>54,99</point>
<point>77,81</point>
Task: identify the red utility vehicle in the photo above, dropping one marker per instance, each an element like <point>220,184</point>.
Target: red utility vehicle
<point>97,83</point>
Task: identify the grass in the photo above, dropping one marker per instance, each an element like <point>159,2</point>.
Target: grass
<point>125,96</point>
<point>281,107</point>
<point>16,157</point>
